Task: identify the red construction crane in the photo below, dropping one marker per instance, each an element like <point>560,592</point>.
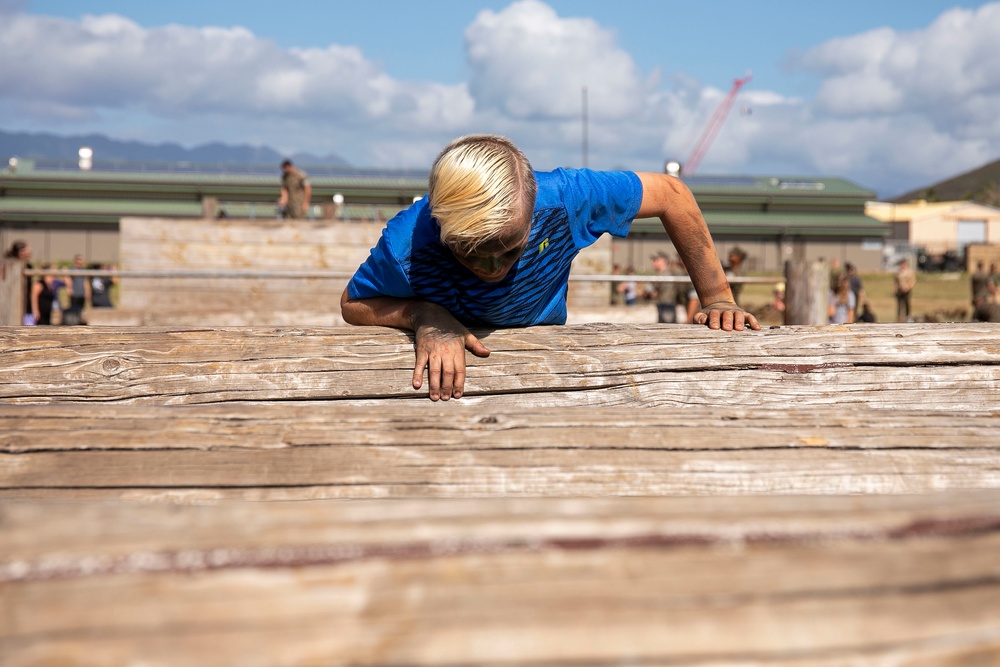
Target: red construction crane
<point>713,127</point>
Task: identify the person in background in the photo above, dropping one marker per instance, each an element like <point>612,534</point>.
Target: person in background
<point>857,286</point>
<point>736,269</point>
<point>629,289</point>
<point>43,296</point>
<point>20,250</point>
<point>980,278</point>
<point>79,292</point>
<point>842,304</point>
<point>100,287</point>
<point>778,297</point>
<point>903,283</point>
<point>867,314</point>
<point>664,294</point>
<point>296,191</point>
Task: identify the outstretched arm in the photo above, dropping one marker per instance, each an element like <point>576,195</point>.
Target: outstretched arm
<point>667,198</point>
<point>441,340</point>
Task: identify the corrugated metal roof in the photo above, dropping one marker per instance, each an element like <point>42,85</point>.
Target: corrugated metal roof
<point>781,223</point>
<point>795,186</point>
<point>93,210</point>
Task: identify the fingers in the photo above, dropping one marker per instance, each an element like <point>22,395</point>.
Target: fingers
<point>418,368</point>
<point>441,377</point>
<point>445,371</point>
<point>727,320</point>
<point>473,345</point>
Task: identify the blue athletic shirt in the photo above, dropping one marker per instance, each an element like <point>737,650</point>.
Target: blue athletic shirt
<point>574,207</point>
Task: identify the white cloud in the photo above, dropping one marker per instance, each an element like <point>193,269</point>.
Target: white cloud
<point>529,63</point>
<point>111,62</point>
<point>894,109</point>
<point>934,71</point>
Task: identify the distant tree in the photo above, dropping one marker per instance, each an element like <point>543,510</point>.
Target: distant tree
<point>988,194</point>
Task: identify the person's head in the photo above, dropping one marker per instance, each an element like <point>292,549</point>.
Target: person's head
<point>850,268</point>
<point>660,262</point>
<point>737,255</point>
<point>19,250</point>
<point>482,193</point>
<point>78,261</point>
<point>286,166</point>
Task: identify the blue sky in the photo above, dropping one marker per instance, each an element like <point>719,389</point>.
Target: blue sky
<point>891,94</point>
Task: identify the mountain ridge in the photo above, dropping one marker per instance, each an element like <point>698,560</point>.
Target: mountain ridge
<point>34,145</point>
<point>981,185</point>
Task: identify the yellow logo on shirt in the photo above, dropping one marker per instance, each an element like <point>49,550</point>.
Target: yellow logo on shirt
<point>543,246</point>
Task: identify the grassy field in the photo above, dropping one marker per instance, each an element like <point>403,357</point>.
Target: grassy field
<point>938,297</point>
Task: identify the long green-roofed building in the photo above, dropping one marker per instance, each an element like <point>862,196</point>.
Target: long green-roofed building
<point>62,210</point>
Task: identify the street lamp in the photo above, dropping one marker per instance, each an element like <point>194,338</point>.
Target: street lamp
<point>86,155</point>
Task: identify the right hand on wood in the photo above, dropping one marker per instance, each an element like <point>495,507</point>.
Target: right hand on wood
<point>441,342</point>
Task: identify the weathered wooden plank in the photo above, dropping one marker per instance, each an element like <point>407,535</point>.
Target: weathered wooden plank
<point>319,451</point>
<point>267,245</point>
<point>300,233</point>
<point>892,367</point>
<point>680,581</point>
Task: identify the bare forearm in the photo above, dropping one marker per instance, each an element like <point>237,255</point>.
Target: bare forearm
<point>385,311</point>
<point>667,198</point>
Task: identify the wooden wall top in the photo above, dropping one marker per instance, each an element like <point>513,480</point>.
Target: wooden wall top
<point>892,367</point>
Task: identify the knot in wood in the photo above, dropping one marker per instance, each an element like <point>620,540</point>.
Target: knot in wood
<point>111,365</point>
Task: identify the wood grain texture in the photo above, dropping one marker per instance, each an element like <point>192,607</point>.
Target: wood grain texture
<point>603,495</point>
<point>891,367</point>
<point>267,245</point>
<point>679,581</point>
<point>323,450</point>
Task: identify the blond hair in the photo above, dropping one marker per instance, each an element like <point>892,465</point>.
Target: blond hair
<point>479,184</point>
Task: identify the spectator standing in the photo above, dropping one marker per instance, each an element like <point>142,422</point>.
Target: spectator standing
<point>43,296</point>
<point>100,287</point>
<point>836,273</point>
<point>664,294</point>
<point>79,291</point>
<point>629,289</point>
<point>857,286</point>
<point>296,192</point>
<point>903,283</point>
<point>987,304</point>
<point>980,278</point>
<point>22,251</point>
<point>736,269</point>
<point>842,303</point>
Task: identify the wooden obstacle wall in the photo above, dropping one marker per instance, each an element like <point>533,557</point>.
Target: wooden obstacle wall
<point>267,245</point>
<point>603,495</point>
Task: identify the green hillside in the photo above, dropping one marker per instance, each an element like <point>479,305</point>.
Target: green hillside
<point>981,185</point>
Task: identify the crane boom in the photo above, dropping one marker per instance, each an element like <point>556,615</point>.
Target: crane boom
<point>713,127</point>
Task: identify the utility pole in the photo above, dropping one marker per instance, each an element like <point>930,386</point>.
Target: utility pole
<point>583,104</point>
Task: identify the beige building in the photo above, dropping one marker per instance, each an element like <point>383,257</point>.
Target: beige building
<point>939,227</point>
